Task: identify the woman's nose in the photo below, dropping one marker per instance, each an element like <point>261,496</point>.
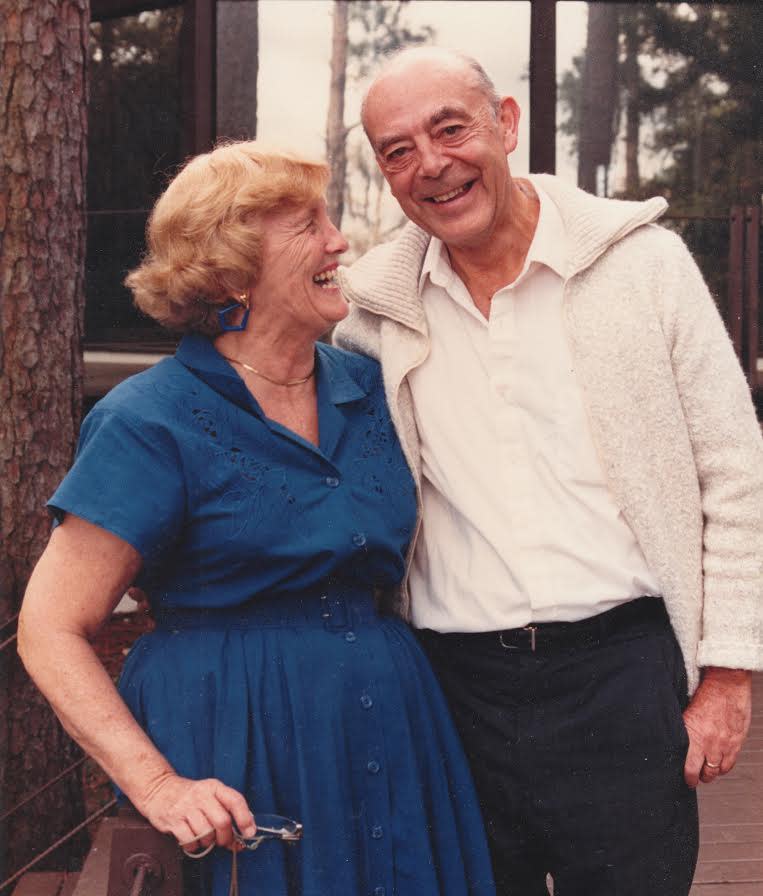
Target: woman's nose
<point>335,242</point>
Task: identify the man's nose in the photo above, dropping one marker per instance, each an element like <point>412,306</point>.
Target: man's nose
<point>432,162</point>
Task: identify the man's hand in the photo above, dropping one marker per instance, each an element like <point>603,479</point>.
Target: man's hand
<point>717,720</point>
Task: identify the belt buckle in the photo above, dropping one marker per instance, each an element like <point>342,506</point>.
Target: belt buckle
<point>335,613</point>
<point>531,629</point>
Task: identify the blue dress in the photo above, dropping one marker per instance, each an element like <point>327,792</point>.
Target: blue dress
<point>271,667</point>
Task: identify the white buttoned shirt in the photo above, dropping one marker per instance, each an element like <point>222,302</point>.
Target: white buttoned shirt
<point>519,524</point>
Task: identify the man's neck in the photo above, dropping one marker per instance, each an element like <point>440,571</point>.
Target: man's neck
<point>487,268</point>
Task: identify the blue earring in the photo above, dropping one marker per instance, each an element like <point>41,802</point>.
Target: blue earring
<point>224,312</point>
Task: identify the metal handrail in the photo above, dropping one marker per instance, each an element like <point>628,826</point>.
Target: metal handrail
<point>9,621</point>
<point>8,642</point>
<point>28,799</point>
<point>60,842</point>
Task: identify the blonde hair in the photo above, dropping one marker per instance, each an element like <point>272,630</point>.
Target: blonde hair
<point>205,234</point>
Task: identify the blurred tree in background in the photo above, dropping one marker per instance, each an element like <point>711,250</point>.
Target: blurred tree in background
<point>363,32</point>
<point>687,110</point>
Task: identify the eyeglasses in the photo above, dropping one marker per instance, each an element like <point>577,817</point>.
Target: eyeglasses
<point>269,827</point>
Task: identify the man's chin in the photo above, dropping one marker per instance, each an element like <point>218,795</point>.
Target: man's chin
<point>457,234</point>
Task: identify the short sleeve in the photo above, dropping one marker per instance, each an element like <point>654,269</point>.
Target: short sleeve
<point>127,478</point>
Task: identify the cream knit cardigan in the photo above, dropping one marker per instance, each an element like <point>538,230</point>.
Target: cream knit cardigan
<point>668,405</point>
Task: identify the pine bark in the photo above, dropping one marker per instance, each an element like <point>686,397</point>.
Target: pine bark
<point>336,133</point>
<point>43,127</point>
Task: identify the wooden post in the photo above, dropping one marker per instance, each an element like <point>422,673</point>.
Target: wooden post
<point>543,86</point>
<point>199,40</point>
<point>751,291</point>
<point>736,280</point>
<point>125,846</point>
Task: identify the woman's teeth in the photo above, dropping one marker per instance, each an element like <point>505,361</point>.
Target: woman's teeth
<point>325,278</point>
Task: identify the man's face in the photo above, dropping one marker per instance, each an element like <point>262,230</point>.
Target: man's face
<point>442,148</point>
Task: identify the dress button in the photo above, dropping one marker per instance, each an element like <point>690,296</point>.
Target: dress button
<point>366,702</point>
<point>359,539</point>
<point>377,832</point>
<point>373,767</point>
<point>350,636</point>
<point>332,481</point>
<point>379,891</point>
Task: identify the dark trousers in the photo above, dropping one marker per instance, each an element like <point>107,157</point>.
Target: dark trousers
<point>577,751</point>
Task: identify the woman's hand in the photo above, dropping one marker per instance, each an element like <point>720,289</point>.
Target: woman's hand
<point>197,813</point>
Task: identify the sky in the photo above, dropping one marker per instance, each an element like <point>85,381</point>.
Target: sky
<point>295,48</point>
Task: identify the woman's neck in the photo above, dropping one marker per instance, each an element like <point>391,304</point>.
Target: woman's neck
<point>277,357</point>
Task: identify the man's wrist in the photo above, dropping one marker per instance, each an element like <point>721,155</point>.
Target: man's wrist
<point>722,675</point>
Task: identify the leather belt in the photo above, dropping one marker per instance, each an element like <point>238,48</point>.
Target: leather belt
<point>543,636</point>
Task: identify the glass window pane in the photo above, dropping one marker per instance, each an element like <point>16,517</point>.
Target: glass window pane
<point>662,98</point>
<point>135,141</point>
<point>115,245</point>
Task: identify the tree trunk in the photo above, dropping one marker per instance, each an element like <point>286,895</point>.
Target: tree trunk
<point>336,133</point>
<point>599,89</point>
<point>43,64</point>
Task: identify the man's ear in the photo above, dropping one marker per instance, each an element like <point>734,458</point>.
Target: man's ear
<point>508,119</point>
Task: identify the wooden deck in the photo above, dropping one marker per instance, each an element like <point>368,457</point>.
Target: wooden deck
<point>731,820</point>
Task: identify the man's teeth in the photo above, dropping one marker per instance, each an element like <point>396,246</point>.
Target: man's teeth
<point>444,197</point>
<point>325,278</point>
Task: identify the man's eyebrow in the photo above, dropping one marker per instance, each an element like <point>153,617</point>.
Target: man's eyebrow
<point>386,142</point>
<point>434,119</point>
<point>447,112</point>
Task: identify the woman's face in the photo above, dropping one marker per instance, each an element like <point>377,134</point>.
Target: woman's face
<point>299,259</point>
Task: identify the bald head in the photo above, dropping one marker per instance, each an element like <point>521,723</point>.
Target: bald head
<point>417,61</point>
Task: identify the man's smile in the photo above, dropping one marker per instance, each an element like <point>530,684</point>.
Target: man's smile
<point>450,195</point>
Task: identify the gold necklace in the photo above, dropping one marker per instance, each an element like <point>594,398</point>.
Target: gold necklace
<point>254,370</point>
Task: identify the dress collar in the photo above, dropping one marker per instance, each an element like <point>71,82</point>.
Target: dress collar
<point>197,353</point>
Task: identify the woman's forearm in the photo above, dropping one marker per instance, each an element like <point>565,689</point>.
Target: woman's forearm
<point>72,591</point>
<point>65,668</point>
<point>74,588</point>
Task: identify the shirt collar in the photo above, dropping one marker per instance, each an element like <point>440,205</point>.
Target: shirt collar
<point>197,353</point>
<point>548,247</point>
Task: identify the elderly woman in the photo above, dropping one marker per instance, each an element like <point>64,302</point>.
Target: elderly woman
<point>255,487</point>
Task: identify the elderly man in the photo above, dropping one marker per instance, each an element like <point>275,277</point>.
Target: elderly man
<point>590,475</point>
